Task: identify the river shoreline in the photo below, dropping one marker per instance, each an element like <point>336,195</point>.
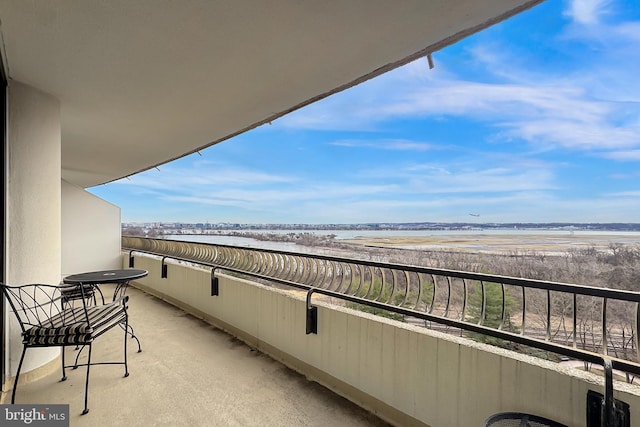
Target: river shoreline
<point>504,242</point>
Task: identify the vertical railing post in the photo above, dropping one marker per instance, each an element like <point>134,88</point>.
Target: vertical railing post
<point>636,330</point>
<point>215,287</point>
<point>504,307</point>
<point>548,332</point>
<point>575,320</point>
<point>312,315</point>
<point>448,305</point>
<point>483,302</point>
<point>163,272</point>
<point>605,339</point>
<point>465,295</point>
<point>524,310</point>
<point>608,405</point>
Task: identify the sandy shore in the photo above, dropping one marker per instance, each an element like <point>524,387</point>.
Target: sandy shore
<point>504,243</point>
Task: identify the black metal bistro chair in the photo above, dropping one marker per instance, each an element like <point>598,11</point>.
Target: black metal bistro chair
<point>48,319</point>
<point>71,293</point>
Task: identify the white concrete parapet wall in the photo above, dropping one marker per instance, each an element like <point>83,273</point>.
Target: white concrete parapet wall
<point>407,375</point>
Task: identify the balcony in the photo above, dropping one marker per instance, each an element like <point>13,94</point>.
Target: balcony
<point>423,371</point>
<point>423,378</point>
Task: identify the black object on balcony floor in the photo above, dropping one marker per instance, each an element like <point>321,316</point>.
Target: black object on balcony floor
<point>518,419</point>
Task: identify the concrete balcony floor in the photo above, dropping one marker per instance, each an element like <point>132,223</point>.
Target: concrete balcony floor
<point>189,374</point>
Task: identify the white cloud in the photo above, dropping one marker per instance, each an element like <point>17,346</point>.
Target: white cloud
<point>590,106</point>
<point>626,194</point>
<point>629,155</point>
<point>385,144</point>
<point>628,32</point>
<point>587,11</point>
<point>490,101</point>
<point>578,135</point>
<point>202,174</point>
<point>516,207</point>
<point>392,184</point>
<point>493,180</point>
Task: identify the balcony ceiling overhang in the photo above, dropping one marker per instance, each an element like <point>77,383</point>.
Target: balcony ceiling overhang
<point>145,82</point>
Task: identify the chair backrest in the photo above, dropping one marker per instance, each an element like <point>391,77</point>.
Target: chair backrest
<point>34,305</point>
<point>518,419</point>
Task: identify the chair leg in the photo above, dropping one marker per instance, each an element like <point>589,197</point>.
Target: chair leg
<point>15,382</point>
<point>64,375</point>
<point>75,365</point>
<point>126,325</point>
<point>86,384</point>
<point>133,335</point>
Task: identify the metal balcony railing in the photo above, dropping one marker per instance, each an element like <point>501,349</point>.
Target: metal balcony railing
<point>592,324</point>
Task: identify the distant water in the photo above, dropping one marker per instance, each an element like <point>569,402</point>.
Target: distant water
<point>237,241</point>
<point>246,242</point>
<point>352,234</point>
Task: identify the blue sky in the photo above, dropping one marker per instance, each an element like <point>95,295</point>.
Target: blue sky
<point>536,119</point>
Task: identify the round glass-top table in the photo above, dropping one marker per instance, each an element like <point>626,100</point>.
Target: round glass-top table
<point>106,276</point>
<point>119,277</point>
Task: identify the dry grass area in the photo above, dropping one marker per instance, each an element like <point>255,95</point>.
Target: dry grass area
<point>503,243</point>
